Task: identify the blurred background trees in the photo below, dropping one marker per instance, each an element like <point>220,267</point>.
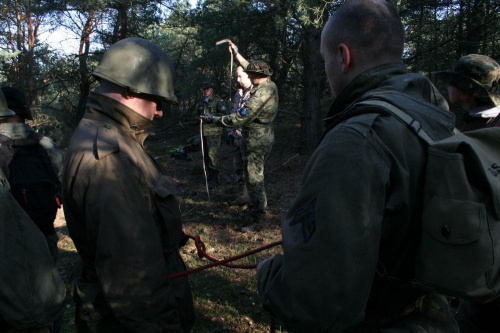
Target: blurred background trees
<point>285,33</point>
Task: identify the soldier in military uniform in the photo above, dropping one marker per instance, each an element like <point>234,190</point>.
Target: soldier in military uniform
<point>121,210</point>
<point>256,120</point>
<point>31,290</point>
<point>350,235</point>
<point>473,85</point>
<point>212,134</point>
<point>13,127</point>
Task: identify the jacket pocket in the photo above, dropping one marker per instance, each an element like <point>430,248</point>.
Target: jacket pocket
<point>456,247</point>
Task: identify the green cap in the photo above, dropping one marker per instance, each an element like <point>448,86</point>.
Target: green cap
<point>259,67</point>
<point>207,84</point>
<point>476,74</point>
<point>140,66</point>
<point>4,109</point>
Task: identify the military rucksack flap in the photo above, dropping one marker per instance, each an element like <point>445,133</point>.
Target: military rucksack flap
<point>106,142</point>
<point>456,249</point>
<point>459,250</point>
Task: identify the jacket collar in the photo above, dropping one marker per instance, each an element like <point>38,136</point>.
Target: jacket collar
<point>485,111</point>
<point>263,83</point>
<point>101,107</point>
<point>364,82</point>
<point>15,130</point>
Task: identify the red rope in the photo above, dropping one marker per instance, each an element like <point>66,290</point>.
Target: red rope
<point>201,249</point>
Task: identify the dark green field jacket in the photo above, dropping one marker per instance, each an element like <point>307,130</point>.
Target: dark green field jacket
<point>125,222</point>
<point>31,290</point>
<point>351,234</point>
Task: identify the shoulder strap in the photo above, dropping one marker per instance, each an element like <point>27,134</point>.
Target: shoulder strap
<point>399,115</point>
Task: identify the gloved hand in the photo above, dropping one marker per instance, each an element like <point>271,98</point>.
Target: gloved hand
<point>209,118</point>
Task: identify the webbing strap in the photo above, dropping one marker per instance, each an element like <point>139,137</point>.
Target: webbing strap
<point>401,116</point>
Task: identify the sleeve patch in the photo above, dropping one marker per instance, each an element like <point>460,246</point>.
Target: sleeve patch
<point>243,112</point>
<point>306,217</point>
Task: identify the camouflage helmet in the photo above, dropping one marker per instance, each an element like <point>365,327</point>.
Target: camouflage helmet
<point>476,74</point>
<point>259,67</point>
<point>207,84</point>
<point>4,109</point>
<point>17,102</point>
<point>140,66</point>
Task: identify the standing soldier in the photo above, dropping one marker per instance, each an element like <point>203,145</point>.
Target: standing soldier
<point>211,104</point>
<point>256,120</point>
<point>31,290</point>
<point>32,164</point>
<point>121,210</point>
<point>351,234</point>
<point>473,84</point>
<point>235,137</point>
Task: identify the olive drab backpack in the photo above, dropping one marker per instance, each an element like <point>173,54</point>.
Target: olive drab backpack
<point>32,178</point>
<point>459,253</point>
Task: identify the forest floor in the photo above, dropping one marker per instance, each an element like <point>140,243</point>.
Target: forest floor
<point>225,299</point>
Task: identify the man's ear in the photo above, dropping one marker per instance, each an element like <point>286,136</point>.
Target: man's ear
<point>345,57</point>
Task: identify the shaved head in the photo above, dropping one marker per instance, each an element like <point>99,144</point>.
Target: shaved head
<point>373,27</point>
<point>360,35</point>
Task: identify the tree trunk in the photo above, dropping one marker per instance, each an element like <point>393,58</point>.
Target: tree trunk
<point>83,54</point>
<point>32,35</point>
<point>121,24</point>
<point>20,42</point>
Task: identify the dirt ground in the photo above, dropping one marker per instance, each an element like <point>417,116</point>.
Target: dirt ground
<point>226,300</point>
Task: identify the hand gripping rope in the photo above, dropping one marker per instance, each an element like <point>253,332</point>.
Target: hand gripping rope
<point>202,253</point>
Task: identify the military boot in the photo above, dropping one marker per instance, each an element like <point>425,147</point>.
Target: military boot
<point>243,198</point>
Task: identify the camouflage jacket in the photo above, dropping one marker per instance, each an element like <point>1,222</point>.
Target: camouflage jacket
<point>350,235</point>
<point>21,131</point>
<point>125,221</point>
<point>212,105</point>
<point>259,110</point>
